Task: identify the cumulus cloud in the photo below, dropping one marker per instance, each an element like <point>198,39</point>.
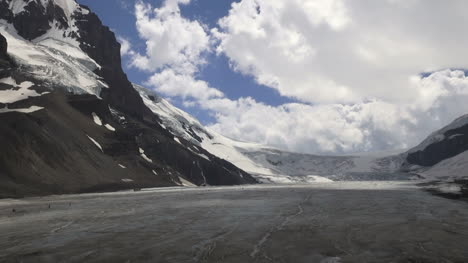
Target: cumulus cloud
<point>125,47</point>
<point>338,51</point>
<point>338,128</point>
<point>171,40</point>
<point>175,48</point>
<point>172,84</point>
<point>353,66</point>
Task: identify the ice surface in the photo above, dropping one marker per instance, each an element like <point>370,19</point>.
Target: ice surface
<point>382,222</point>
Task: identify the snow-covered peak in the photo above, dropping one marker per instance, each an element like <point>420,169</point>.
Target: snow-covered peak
<point>68,6</point>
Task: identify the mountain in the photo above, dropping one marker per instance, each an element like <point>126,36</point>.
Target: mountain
<point>71,120</point>
<point>442,155</point>
<point>268,164</point>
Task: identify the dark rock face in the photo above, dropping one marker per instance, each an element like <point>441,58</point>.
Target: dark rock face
<point>3,47</point>
<point>101,45</point>
<point>5,12</point>
<point>36,19</point>
<point>50,151</point>
<point>5,62</point>
<point>455,142</point>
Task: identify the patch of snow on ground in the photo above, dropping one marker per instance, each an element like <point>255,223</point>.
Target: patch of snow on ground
<point>177,140</point>
<point>127,180</point>
<point>109,127</point>
<point>12,95</point>
<point>122,166</point>
<point>143,155</point>
<point>454,168</point>
<point>95,143</point>
<point>154,172</point>
<point>186,183</point>
<point>96,119</point>
<point>449,188</point>
<point>25,110</point>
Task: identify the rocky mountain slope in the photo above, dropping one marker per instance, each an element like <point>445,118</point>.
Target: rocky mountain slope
<point>71,120</point>
<point>444,154</point>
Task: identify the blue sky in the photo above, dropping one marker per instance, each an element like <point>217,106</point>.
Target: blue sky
<point>119,16</point>
<point>315,76</point>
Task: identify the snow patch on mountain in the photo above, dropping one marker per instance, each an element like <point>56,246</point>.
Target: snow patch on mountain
<point>22,110</point>
<point>70,33</point>
<point>14,95</point>
<point>109,127</point>
<point>143,155</point>
<point>452,168</point>
<point>96,119</point>
<point>53,62</point>
<point>95,143</point>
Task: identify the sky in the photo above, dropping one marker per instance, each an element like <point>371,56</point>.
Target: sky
<point>313,76</point>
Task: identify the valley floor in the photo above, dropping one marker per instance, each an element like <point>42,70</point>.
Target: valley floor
<point>323,222</point>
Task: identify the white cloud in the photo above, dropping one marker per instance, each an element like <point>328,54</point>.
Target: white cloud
<point>337,128</point>
<point>334,51</point>
<point>169,83</point>
<point>353,65</point>
<point>171,40</point>
<point>125,47</point>
<point>174,50</point>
